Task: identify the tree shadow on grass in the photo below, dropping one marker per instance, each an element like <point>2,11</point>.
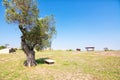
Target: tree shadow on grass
<point>41,60</point>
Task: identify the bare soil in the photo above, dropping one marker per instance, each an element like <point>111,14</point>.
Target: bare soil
<point>110,53</point>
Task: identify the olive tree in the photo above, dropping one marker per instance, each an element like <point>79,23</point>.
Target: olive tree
<point>47,29</point>
<point>34,30</point>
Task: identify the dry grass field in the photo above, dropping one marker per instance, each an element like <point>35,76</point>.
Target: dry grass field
<point>69,65</point>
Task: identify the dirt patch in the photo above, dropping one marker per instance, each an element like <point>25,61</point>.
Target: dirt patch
<point>110,53</point>
<point>73,76</point>
<point>64,75</point>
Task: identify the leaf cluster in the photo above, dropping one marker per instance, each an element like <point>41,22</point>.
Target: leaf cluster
<point>37,32</point>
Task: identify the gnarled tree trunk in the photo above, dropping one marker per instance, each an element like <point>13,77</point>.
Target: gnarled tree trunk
<point>29,51</point>
<point>30,59</point>
<point>30,54</point>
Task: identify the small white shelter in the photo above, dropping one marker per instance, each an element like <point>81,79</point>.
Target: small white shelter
<point>4,51</point>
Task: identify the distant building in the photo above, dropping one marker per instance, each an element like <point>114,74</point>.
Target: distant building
<point>4,51</point>
<point>90,48</point>
<point>7,50</point>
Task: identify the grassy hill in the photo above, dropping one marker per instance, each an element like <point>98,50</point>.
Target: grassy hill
<point>69,65</point>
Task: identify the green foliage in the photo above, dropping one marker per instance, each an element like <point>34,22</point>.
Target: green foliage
<point>69,50</point>
<point>41,35</point>
<point>36,32</point>
<point>106,49</point>
<point>23,12</point>
<point>47,30</point>
<point>2,47</point>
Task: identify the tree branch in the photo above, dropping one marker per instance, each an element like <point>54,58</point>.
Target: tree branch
<point>23,30</point>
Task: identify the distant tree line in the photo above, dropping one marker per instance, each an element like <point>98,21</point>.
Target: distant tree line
<point>2,47</point>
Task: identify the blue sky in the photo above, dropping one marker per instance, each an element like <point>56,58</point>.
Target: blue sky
<point>79,23</point>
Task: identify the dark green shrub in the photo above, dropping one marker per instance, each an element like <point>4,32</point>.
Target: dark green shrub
<point>2,47</point>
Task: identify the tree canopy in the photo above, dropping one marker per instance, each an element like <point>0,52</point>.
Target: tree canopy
<point>36,32</point>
